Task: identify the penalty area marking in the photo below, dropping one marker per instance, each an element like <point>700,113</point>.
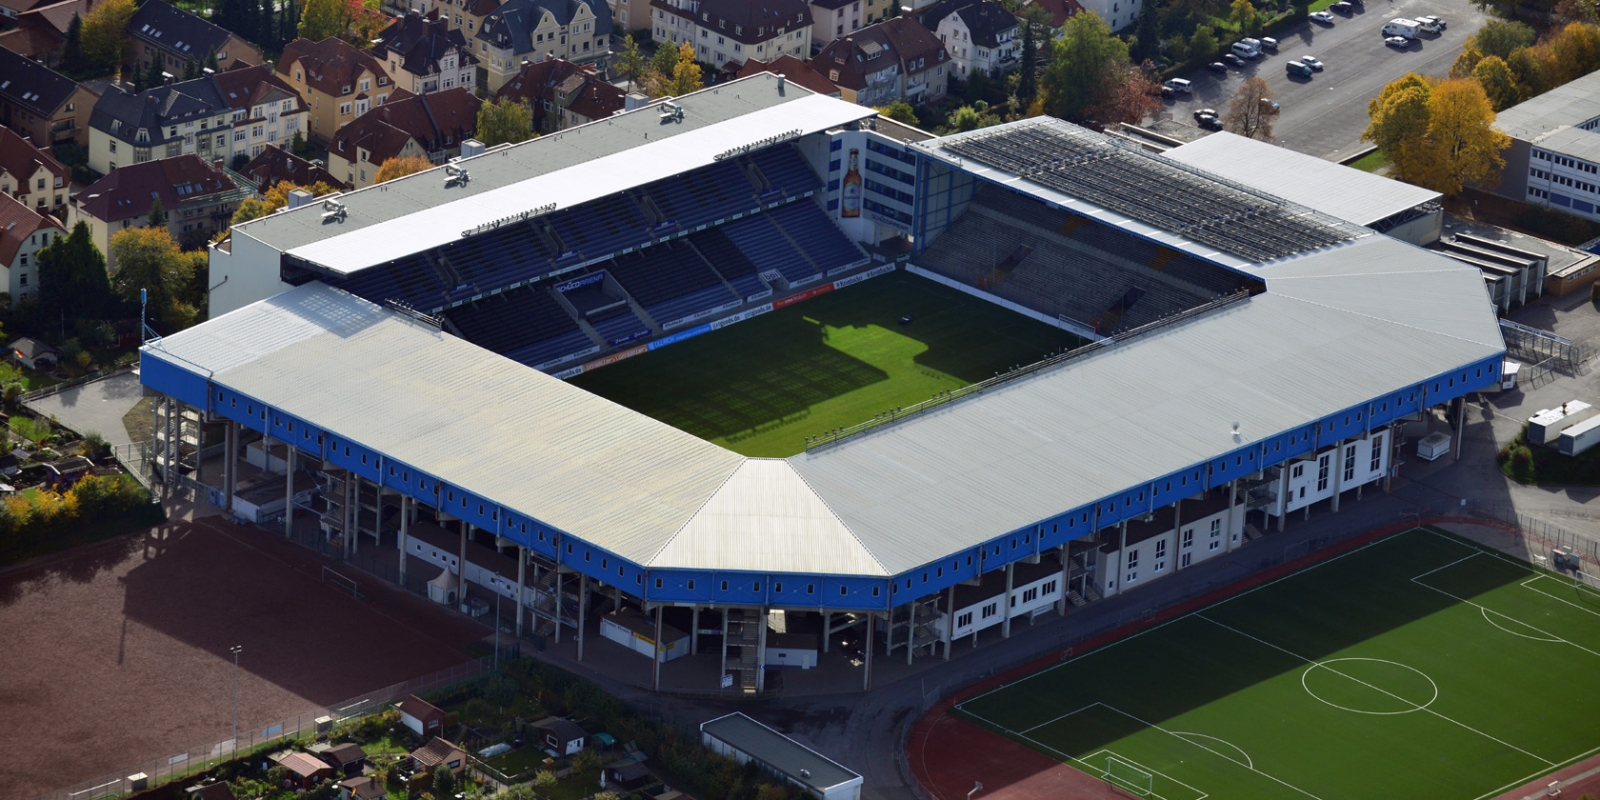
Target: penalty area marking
<point>1490,620</point>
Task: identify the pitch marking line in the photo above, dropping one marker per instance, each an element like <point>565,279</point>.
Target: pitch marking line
<point>1550,637</point>
<point>1394,537</point>
<point>1540,774</point>
<point>1106,751</point>
<point>1057,719</point>
<point>1490,620</point>
<point>1382,691</point>
<point>1247,763</point>
<point>1183,737</point>
<point>1525,585</point>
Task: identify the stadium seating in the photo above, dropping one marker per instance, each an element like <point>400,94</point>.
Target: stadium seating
<point>786,170</point>
<point>769,249</point>
<point>725,258</point>
<point>618,325</point>
<point>547,350</point>
<point>508,321</point>
<point>671,281</point>
<point>808,226</point>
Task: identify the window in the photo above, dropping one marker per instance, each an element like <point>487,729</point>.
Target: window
<point>1161,549</point>
<point>1188,538</point>
<point>1377,454</point>
<point>777,587</point>
<point>1349,462</point>
<point>724,586</point>
<point>1216,528</point>
<point>1183,560</point>
<point>1030,595</point>
<point>1322,473</point>
<point>691,584</point>
<point>964,620</point>
<point>990,610</point>
<point>1133,559</point>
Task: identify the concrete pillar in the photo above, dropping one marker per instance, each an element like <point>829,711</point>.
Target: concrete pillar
<point>522,580</point>
<point>761,651</point>
<point>1461,424</point>
<point>911,629</point>
<point>1122,552</point>
<point>461,567</point>
<point>556,588</point>
<point>164,412</point>
<point>722,666</point>
<point>583,607</point>
<point>349,513</point>
<point>1283,494</point>
<point>1177,536</point>
<point>288,506</point>
<point>355,541</point>
<point>1005,604</point>
<point>694,635</point>
<point>866,669</point>
<point>950,617</point>
<point>230,460</point>
<point>405,531</point>
<point>827,629</point>
<point>1338,474</point>
<point>1233,511</point>
<point>655,662</point>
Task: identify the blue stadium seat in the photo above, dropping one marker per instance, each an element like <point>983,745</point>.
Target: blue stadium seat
<point>820,239</point>
<point>512,320</point>
<point>767,248</point>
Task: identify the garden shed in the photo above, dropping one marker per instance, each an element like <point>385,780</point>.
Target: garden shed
<point>629,775</point>
<point>346,759</point>
<point>439,752</point>
<point>421,716</point>
<point>560,737</point>
<point>307,769</point>
<point>34,354</point>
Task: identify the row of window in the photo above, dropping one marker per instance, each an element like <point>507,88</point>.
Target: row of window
<point>1563,180</point>
<point>893,152</point>
<point>889,192</point>
<point>1563,161</point>
<point>891,173</point>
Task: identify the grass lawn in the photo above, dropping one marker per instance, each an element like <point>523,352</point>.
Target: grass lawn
<point>1417,666</point>
<point>1537,465</point>
<point>761,386</point>
<point>518,762</point>
<point>1371,162</point>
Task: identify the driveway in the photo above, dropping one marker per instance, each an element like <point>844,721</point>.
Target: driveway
<point>98,406</point>
<point>1325,114</point>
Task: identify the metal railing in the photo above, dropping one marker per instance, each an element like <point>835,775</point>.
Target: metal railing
<point>36,394</point>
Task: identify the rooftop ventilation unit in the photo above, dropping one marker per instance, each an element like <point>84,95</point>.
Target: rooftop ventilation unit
<point>454,175</point>
<point>671,111</point>
<point>332,210</point>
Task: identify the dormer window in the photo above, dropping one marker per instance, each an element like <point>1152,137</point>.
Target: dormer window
<point>344,90</point>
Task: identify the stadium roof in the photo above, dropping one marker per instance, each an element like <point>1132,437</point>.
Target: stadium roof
<point>1552,119</point>
<point>1337,327</point>
<point>1333,189</point>
<point>1117,183</point>
<point>419,212</point>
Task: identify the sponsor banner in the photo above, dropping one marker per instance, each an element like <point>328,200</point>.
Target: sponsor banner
<point>902,258</point>
<point>678,337</point>
<point>893,223</point>
<point>771,276</point>
<point>742,316</point>
<point>587,351</point>
<point>636,335</point>
<point>579,283</point>
<point>761,295</point>
<point>869,274</point>
<point>568,373</point>
<point>815,291</point>
<point>615,357</point>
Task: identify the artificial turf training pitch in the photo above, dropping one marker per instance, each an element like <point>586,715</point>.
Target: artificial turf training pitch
<point>1418,666</point>
<point>762,386</point>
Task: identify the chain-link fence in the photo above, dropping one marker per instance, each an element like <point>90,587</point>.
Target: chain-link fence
<point>203,757</point>
<point>1540,537</point>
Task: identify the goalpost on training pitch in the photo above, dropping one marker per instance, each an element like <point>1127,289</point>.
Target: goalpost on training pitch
<point>1127,776</point>
<point>342,582</point>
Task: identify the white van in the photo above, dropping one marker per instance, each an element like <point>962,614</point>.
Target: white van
<point>1401,26</point>
<point>1248,49</point>
<point>1180,85</point>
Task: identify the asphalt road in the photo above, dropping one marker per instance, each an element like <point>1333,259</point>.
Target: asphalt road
<point>1325,115</point>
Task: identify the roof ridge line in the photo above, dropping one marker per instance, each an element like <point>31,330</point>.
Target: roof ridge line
<point>824,501</point>
<point>1272,277</point>
<point>703,503</point>
<point>1383,319</point>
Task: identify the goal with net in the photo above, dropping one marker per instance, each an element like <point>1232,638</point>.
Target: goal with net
<point>1127,776</point>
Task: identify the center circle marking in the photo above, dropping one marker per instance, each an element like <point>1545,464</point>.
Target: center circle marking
<point>1327,665</point>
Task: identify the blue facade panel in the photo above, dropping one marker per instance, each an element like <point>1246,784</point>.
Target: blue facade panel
<point>173,380</point>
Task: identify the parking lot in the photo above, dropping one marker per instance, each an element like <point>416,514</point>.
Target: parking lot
<point>1325,114</point>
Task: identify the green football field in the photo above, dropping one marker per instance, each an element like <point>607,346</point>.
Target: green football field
<point>761,386</point>
<point>1419,666</point>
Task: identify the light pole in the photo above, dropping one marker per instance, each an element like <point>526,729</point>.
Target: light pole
<point>976,787</point>
<point>497,628</point>
<point>235,651</point>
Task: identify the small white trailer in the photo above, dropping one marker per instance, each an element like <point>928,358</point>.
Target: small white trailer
<point>1433,445</point>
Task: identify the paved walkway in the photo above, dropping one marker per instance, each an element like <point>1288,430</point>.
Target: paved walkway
<point>95,407</point>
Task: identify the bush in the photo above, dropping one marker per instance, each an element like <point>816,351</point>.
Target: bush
<point>586,760</point>
<point>1549,223</point>
<point>544,779</point>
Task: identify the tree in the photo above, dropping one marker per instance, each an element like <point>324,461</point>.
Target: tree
<point>320,19</point>
<point>72,59</point>
<point>158,215</point>
<point>631,63</point>
<point>1028,84</point>
<point>1252,111</point>
<point>900,111</point>
<point>147,259</point>
<point>544,779</point>
<point>275,198</point>
<point>1244,18</point>
<point>662,65</point>
<point>1085,56</point>
<point>364,20</point>
<point>1437,135</point>
<point>1149,33</point>
<point>1127,94</point>
<point>1501,37</point>
<point>1467,61</point>
<point>153,74</point>
<point>444,782</point>
<point>400,167</point>
<point>72,278</point>
<point>1203,44</point>
<point>965,118</point>
<point>1498,83</point>
<point>504,121</point>
<point>1574,52</point>
<point>103,32</point>
<point>1577,11</point>
<point>685,74</point>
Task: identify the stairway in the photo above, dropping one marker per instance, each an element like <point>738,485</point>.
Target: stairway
<point>743,634</point>
<point>1076,599</point>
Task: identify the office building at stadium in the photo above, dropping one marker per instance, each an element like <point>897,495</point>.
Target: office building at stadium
<point>400,350</point>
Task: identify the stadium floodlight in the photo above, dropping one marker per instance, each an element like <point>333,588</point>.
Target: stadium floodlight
<point>977,786</point>
<point>235,650</point>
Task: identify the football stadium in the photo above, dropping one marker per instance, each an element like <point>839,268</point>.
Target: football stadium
<point>754,370</point>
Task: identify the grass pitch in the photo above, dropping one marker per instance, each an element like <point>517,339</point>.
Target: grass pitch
<point>1418,666</point>
<point>761,386</point>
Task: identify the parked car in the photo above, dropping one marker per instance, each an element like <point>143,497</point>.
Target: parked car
<point>1269,106</point>
<point>1210,123</point>
<point>1397,42</point>
<point>1233,60</point>
<point>1343,7</point>
<point>1297,69</point>
<point>1179,85</point>
<point>1322,17</point>
<point>1167,93</point>
<point>1269,44</point>
<point>1204,112</point>
<point>1311,62</point>
<point>1218,66</point>
<point>1432,24</point>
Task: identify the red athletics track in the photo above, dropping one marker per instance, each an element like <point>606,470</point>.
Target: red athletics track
<point>948,754</point>
<point>116,654</point>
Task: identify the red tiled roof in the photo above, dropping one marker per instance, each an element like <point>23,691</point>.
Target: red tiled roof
<point>19,157</point>
<point>420,708</point>
<point>536,82</point>
<point>17,223</point>
<point>435,752</point>
<point>128,192</point>
<point>59,15</point>
<point>274,166</point>
<point>797,71</point>
<point>437,121</point>
<point>330,65</point>
<point>31,41</point>
<point>245,85</point>
<point>597,99</point>
<point>1060,10</point>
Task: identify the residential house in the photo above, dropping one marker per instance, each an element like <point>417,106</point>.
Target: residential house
<point>47,107</point>
<point>467,16</point>
<point>630,15</point>
<point>576,30</point>
<point>438,752</point>
<point>831,19</point>
<point>423,54</point>
<point>981,35</point>
<point>10,9</point>
<point>535,84</point>
<point>1057,12</point>
<point>167,121</point>
<point>346,759</point>
<point>266,109</point>
<point>34,355</point>
<point>173,37</point>
<point>897,59</point>
<point>218,790</point>
<point>337,80</point>
<point>420,716</point>
<point>365,787</point>
<point>198,198</point>
<point>275,166</point>
<point>798,72</point>
<point>586,97</point>
<point>559,737</point>
<point>304,769</point>
<point>33,42</point>
<point>730,31</point>
<point>31,175</point>
<point>429,125</point>
<point>1118,14</point>
<point>23,233</point>
<point>41,30</point>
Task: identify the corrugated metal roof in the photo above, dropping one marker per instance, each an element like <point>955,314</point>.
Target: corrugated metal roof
<point>547,154</point>
<point>1333,189</point>
<point>1567,105</point>
<point>779,752</point>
